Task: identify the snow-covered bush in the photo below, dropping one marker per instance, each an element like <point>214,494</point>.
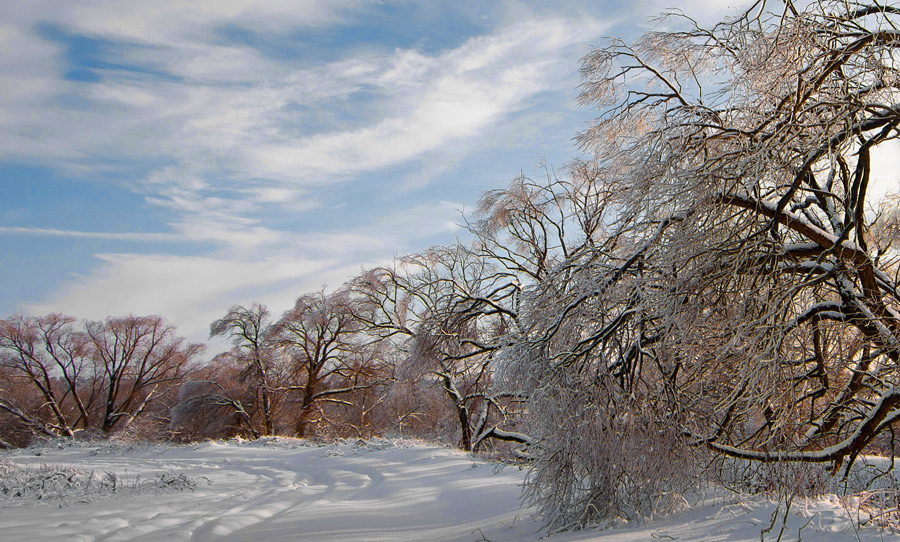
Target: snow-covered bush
<point>56,483</point>
<point>602,457</point>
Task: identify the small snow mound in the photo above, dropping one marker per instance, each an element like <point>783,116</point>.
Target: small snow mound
<point>357,446</point>
<point>287,443</point>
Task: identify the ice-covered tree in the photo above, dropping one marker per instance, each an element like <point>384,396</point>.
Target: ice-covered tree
<point>447,310</point>
<point>250,330</point>
<point>744,298</point>
<point>329,358</point>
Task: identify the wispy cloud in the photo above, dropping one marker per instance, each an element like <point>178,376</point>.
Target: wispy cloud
<point>111,236</point>
<point>192,291</point>
<point>439,99</point>
<point>176,21</point>
<point>220,113</point>
<point>253,264</point>
<point>239,149</point>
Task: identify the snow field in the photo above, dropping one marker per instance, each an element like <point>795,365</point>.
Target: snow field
<point>278,492</point>
<point>289,490</point>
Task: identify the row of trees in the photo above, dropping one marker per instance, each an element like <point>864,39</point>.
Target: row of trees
<point>409,345</point>
<point>403,350</point>
<point>715,281</point>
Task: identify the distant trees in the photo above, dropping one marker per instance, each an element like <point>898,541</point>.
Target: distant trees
<point>50,355</point>
<point>138,358</point>
<point>446,310</point>
<point>101,375</point>
<point>312,360</point>
<point>214,403</point>
<point>369,358</point>
<point>328,356</point>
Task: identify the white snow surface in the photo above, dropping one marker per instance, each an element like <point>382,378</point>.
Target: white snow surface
<point>279,489</point>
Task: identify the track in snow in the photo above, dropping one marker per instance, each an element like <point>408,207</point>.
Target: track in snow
<point>287,490</point>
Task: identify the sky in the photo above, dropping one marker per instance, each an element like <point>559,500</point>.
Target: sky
<point>178,157</point>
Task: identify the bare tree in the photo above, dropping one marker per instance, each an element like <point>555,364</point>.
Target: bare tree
<point>746,293</point>
<point>251,332</point>
<point>329,357</point>
<point>51,355</point>
<point>208,409</point>
<point>528,229</point>
<point>447,310</point>
<point>103,375</point>
<point>389,314</point>
<point>138,358</point>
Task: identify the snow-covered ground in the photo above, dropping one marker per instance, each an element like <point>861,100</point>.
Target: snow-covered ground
<point>283,489</point>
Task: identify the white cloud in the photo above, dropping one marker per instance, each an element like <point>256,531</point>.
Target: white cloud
<point>422,221</point>
<point>221,120</point>
<point>175,20</point>
<point>218,128</point>
<point>26,74</point>
<point>113,236</point>
<point>450,97</point>
<point>210,131</point>
<point>432,97</point>
<point>189,291</point>
<point>236,238</point>
<point>255,264</point>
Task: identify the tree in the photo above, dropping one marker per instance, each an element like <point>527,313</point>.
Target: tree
<point>329,358</point>
<point>207,409</point>
<point>99,375</point>
<point>446,311</point>
<point>138,358</point>
<point>251,332</point>
<point>54,358</point>
<point>746,294</point>
<point>528,229</point>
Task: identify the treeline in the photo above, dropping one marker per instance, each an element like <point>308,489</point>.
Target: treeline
<point>60,377</point>
<point>328,367</point>
<point>406,350</point>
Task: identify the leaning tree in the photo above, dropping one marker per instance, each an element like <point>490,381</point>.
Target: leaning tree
<point>444,312</point>
<point>745,298</point>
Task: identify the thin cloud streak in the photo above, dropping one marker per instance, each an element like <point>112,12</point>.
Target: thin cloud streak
<point>264,265</point>
<point>111,236</point>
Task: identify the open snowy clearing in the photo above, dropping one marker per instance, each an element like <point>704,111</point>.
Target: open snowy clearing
<point>283,489</point>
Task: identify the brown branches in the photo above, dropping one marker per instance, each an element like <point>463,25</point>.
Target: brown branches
<point>102,375</point>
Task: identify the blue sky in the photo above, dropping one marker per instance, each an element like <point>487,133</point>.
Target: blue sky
<point>178,157</point>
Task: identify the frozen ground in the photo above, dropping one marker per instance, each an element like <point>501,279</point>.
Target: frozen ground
<point>282,489</point>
